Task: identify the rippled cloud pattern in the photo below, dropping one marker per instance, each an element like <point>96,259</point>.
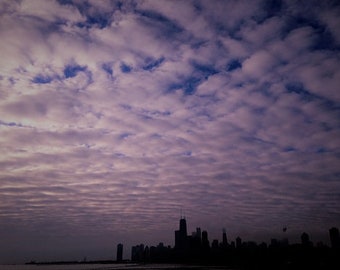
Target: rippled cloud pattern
<point>115,115</point>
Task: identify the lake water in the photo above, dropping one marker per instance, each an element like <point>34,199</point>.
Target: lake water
<point>110,267</point>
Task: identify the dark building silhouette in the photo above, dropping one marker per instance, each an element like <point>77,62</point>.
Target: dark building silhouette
<point>183,227</point>
<point>147,253</point>
<point>224,239</point>
<point>119,252</point>
<point>205,241</point>
<point>196,249</point>
<point>238,242</point>
<point>181,236</point>
<point>335,237</point>
<point>305,240</point>
<point>137,253</point>
<point>195,242</point>
<point>198,234</point>
<point>214,244</point>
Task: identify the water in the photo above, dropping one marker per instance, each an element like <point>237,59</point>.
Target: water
<point>62,267</point>
<point>110,267</point>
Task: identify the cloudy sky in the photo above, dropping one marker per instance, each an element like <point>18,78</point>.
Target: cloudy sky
<point>115,115</point>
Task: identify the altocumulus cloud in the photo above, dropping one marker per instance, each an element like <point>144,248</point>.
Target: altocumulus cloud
<point>115,115</point>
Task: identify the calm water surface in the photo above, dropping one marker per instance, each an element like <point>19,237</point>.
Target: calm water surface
<point>109,267</point>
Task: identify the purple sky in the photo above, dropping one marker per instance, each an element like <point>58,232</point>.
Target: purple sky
<point>115,115</point>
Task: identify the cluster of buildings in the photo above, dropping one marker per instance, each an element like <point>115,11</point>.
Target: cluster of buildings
<point>196,248</point>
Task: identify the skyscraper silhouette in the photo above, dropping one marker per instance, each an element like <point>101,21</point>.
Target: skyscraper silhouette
<point>238,242</point>
<point>119,252</point>
<point>205,240</point>
<point>198,235</point>
<point>224,239</point>
<point>183,227</point>
<point>305,240</point>
<point>335,237</point>
<point>181,235</point>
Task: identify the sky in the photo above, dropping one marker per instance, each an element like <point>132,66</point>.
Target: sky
<point>116,117</point>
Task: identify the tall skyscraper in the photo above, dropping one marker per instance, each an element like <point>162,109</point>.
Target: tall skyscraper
<point>335,237</point>
<point>305,240</point>
<point>119,252</point>
<point>238,242</point>
<point>183,227</point>
<point>199,234</point>
<point>205,240</point>
<point>224,239</point>
<point>181,236</point>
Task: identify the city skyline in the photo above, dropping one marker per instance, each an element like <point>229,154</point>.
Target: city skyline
<point>196,248</point>
<point>115,116</point>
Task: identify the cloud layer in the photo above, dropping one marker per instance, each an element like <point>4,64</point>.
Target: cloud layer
<point>116,115</point>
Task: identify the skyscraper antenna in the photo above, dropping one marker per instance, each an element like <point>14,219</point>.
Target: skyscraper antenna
<point>182,214</point>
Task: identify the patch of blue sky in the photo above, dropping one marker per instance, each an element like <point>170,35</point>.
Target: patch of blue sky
<point>306,96</point>
<point>151,63</point>
<point>126,107</point>
<point>81,24</point>
<point>14,124</point>
<point>101,21</point>
<point>125,68</point>
<point>9,124</point>
<point>267,90</point>
<point>82,6</point>
<point>119,155</point>
<point>156,113</point>
<point>269,9</point>
<point>155,16</point>
<point>221,29</point>
<point>233,65</point>
<point>320,30</point>
<point>188,85</point>
<point>165,27</point>
<point>54,26</point>
<point>93,17</point>
<point>324,40</point>
<point>187,153</point>
<point>65,2</point>
<point>205,70</point>
<point>155,136</point>
<point>326,127</point>
<point>322,37</point>
<point>329,105</point>
<point>42,79</point>
<point>289,149</point>
<point>321,150</point>
<point>86,6</point>
<point>11,80</point>
<point>259,110</point>
<point>71,71</point>
<point>125,135</point>
<point>107,67</point>
<point>145,116</point>
<point>254,139</point>
<point>298,88</point>
<point>197,6</point>
<point>207,116</point>
<point>198,43</point>
<point>335,177</point>
<point>272,8</point>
